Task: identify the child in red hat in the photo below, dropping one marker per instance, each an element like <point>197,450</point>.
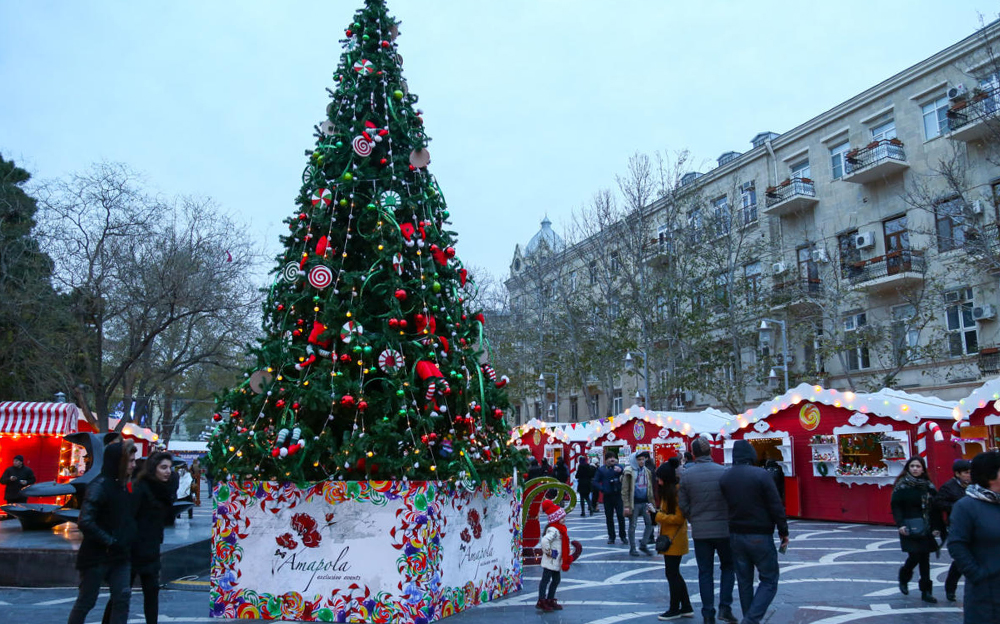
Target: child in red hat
<point>556,556</point>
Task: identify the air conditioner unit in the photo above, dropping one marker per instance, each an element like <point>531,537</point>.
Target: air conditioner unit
<point>819,255</point>
<point>976,207</point>
<point>778,268</point>
<point>864,240</point>
<point>983,312</point>
<point>955,91</point>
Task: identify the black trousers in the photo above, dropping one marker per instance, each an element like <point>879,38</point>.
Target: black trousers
<point>923,561</point>
<point>150,582</point>
<point>679,598</point>
<point>550,580</point>
<point>613,506</point>
<point>117,576</point>
<point>584,500</point>
<point>951,581</point>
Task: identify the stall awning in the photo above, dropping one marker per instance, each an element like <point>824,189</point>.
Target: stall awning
<point>38,418</point>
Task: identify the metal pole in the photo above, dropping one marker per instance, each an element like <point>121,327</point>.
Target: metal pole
<point>645,380</point>
<point>784,350</point>
<point>557,396</point>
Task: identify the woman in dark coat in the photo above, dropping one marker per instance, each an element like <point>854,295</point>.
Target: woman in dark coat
<point>561,472</point>
<point>975,540</point>
<point>152,505</point>
<point>919,524</point>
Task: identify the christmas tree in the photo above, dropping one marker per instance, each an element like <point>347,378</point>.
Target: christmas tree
<point>371,366</point>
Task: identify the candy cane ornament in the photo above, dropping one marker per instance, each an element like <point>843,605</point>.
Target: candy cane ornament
<point>922,436</point>
<point>956,430</point>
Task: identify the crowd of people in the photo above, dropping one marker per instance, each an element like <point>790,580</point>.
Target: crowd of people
<point>734,512</point>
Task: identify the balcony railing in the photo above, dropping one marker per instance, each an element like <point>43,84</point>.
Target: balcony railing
<point>796,288</point>
<point>966,116</point>
<point>790,196</point>
<point>874,161</point>
<point>884,268</point>
<point>989,361</point>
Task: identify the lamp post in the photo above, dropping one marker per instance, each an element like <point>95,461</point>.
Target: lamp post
<point>630,366</point>
<point>542,386</point>
<point>765,338</point>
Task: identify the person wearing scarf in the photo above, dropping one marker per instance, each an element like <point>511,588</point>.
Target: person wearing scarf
<point>919,524</point>
<point>974,540</point>
<point>556,556</point>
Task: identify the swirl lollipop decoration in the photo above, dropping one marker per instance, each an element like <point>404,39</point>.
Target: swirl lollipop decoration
<point>809,416</point>
<point>291,272</point>
<point>320,277</point>
<point>361,145</point>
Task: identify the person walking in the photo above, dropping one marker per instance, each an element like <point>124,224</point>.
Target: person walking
<point>672,523</point>
<point>584,474</point>
<point>561,472</point>
<point>15,478</point>
<point>637,491</point>
<point>153,506</point>
<point>778,475</point>
<point>556,556</point>
<point>534,469</point>
<point>700,498</point>
<point>755,509</point>
<point>950,493</point>
<point>196,482</point>
<point>919,524</point>
<point>108,527</point>
<point>975,540</point>
<point>608,480</point>
<point>184,488</point>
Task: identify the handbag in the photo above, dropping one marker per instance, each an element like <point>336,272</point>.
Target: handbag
<point>663,543</point>
<point>916,527</point>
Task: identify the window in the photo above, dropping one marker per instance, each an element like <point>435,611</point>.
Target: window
<point>517,414</point>
<point>837,159</point>
<point>721,215</point>
<point>751,274</point>
<point>721,291</point>
<point>905,337</point>
<point>935,117</point>
<point>614,305</point>
<point>663,238</point>
<point>948,221</point>
<point>615,262</point>
<point>574,409</point>
<point>963,337</point>
<point>538,411</point>
<point>813,351</point>
<point>571,280</point>
<point>662,307</point>
<point>695,225</point>
<point>898,257</point>
<point>617,404</point>
<point>592,272</point>
<point>808,270</point>
<point>850,256</point>
<point>748,200</point>
<point>858,357</point>
<point>801,170</point>
<point>884,131</point>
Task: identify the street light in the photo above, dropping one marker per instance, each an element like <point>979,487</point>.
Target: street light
<point>630,367</point>
<point>542,386</point>
<point>765,338</point>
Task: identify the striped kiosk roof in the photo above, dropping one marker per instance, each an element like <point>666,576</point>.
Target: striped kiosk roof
<point>38,418</point>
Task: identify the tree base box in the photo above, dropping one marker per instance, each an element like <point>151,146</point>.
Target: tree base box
<point>363,551</point>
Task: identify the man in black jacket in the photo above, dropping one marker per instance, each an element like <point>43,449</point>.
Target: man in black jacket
<point>754,510</point>
<point>16,478</point>
<point>108,527</point>
<point>584,474</point>
<point>608,480</point>
<point>949,494</point>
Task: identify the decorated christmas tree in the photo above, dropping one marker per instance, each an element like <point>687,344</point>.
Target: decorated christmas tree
<point>372,364</point>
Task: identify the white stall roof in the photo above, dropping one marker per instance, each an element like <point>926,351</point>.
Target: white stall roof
<point>982,396</point>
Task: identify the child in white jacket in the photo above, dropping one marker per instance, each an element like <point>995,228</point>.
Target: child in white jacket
<point>556,556</point>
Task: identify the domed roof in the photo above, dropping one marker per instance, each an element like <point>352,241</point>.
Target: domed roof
<point>546,235</point>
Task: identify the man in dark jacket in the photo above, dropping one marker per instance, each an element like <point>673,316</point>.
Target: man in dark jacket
<point>975,540</point>
<point>949,494</point>
<point>608,480</point>
<point>754,510</point>
<point>701,501</point>
<point>584,474</point>
<point>778,474</point>
<point>16,478</point>
<point>108,528</point>
<point>534,469</point>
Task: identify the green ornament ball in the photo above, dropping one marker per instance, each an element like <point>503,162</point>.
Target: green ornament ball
<point>343,202</point>
<point>445,214</point>
<point>368,349</point>
<point>340,144</point>
<point>397,94</point>
<point>399,392</point>
<point>365,37</point>
<point>436,287</point>
<point>347,176</point>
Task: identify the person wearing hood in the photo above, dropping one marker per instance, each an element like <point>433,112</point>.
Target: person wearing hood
<point>637,491</point>
<point>153,506</point>
<point>949,494</point>
<point>108,527</point>
<point>754,510</point>
<point>561,471</point>
<point>534,469</point>
<point>975,540</point>
<point>919,524</point>
<point>584,473</point>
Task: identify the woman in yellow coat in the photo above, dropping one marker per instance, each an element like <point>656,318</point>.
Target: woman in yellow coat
<point>673,525</point>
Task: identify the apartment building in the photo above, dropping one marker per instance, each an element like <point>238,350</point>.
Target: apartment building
<point>875,246</point>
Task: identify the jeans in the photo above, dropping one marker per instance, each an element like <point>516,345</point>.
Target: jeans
<point>150,582</point>
<point>594,495</point>
<point>550,579</point>
<point>647,532</point>
<point>704,554</point>
<point>613,506</point>
<point>584,500</point>
<point>679,599</point>
<point>750,551</point>
<point>117,576</point>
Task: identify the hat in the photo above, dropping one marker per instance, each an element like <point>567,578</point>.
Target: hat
<point>961,465</point>
<point>554,512</point>
<point>643,455</point>
<point>19,458</point>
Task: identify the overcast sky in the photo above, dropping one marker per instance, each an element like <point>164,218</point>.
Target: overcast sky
<point>533,105</point>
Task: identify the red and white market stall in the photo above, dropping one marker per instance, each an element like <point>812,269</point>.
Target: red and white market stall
<point>977,420</point>
<point>145,439</point>
<point>553,440</point>
<point>842,451</point>
<point>35,431</point>
<point>662,434</point>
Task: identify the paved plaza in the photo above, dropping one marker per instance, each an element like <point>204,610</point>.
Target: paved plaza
<point>832,574</point>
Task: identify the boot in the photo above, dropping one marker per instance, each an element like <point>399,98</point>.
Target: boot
<point>555,606</point>
<point>543,605</point>
<point>725,614</point>
<point>904,578</point>
<point>925,591</point>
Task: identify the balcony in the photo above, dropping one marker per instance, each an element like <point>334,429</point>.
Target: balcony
<point>794,292</point>
<point>893,270</point>
<point>876,161</point>
<point>974,117</point>
<point>989,361</point>
<point>790,196</point>
<point>660,253</point>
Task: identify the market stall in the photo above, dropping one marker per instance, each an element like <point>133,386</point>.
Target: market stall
<point>977,420</point>
<point>662,434</point>
<point>553,440</point>
<point>35,430</point>
<point>145,439</point>
<point>842,451</point>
